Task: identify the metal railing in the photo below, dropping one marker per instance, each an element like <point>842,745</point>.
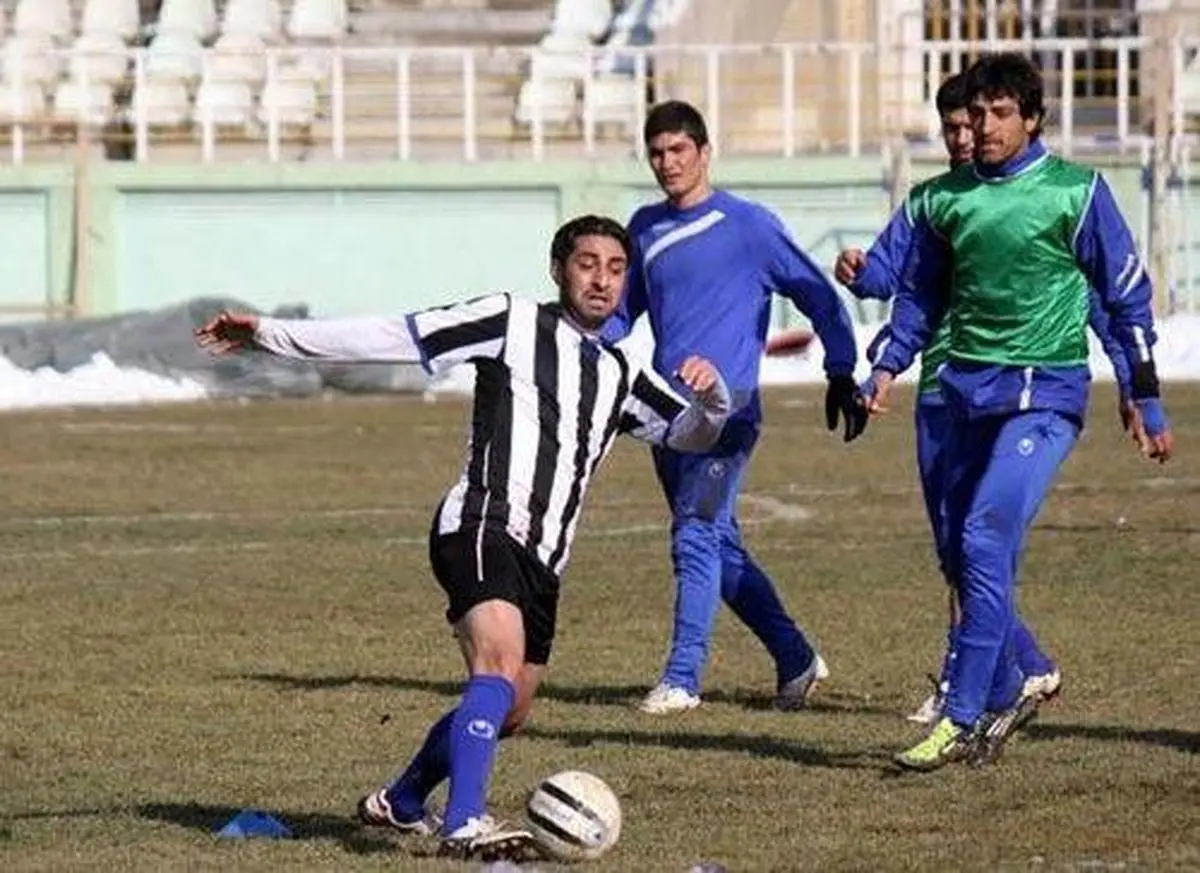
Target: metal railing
<point>470,104</point>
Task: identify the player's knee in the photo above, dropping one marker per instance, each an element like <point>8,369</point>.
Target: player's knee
<point>498,657</point>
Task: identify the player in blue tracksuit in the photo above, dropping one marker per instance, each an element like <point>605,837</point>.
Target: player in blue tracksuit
<point>705,266</point>
<point>1009,248</point>
<point>876,275</point>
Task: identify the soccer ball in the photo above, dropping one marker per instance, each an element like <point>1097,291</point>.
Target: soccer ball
<point>574,816</point>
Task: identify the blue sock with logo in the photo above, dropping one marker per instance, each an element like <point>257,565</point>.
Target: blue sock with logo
<point>424,773</point>
<point>474,733</point>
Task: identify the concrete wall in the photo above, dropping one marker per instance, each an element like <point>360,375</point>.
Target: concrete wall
<point>353,239</point>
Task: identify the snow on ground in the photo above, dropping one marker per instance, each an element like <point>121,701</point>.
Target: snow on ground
<point>100,382</point>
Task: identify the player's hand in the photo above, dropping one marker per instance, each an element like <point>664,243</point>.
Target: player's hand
<point>875,392</point>
<point>226,333</point>
<point>1148,427</point>
<point>789,342</point>
<point>699,375</point>
<point>848,265</point>
<point>842,398</point>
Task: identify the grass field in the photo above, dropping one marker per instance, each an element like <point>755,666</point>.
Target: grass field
<point>211,607</point>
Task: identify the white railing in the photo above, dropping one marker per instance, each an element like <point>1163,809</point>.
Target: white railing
<point>475,104</point>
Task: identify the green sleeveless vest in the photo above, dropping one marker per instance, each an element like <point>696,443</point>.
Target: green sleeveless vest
<point>1018,297</point>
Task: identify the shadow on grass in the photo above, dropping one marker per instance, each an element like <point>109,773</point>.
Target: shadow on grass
<point>344,831</point>
<point>758,745</point>
<point>594,695</point>
<point>1168,738</point>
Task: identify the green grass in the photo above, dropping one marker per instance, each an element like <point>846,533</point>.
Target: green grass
<point>210,607</point>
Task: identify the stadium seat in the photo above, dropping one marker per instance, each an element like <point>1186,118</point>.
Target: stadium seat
<point>163,101</point>
<point>30,60</point>
<point>555,101</point>
<point>196,18</point>
<point>562,52</point>
<point>225,102</point>
<point>259,18</point>
<point>611,99</point>
<point>99,57</point>
<point>291,96</point>
<point>88,103</point>
<point>50,18</point>
<point>174,55</point>
<point>238,57</point>
<point>21,102</point>
<point>120,17</point>
<point>317,20</point>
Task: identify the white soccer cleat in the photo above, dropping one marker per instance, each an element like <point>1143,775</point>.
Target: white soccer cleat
<point>375,810</point>
<point>1044,687</point>
<point>667,699</point>
<point>485,839</point>
<point>930,711</point>
<point>795,692</point>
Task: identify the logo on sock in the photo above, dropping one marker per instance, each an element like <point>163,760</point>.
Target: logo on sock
<point>1025,447</point>
<point>482,729</point>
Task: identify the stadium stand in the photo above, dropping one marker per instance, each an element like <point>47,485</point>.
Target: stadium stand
<point>311,80</point>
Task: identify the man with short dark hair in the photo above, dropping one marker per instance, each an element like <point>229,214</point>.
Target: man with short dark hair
<point>550,397</point>
<point>705,267</point>
<point>1009,249</point>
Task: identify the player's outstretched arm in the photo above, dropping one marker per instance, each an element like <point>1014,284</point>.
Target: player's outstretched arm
<point>656,413</point>
<point>436,338</point>
<point>1107,254</point>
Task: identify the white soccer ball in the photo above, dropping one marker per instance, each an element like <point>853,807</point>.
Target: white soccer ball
<point>574,816</point>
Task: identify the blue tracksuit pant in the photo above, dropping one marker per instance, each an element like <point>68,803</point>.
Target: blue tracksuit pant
<point>998,471</point>
<point>711,563</point>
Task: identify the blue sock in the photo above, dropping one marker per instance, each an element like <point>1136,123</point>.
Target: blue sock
<point>424,773</point>
<point>1032,660</point>
<point>474,733</point>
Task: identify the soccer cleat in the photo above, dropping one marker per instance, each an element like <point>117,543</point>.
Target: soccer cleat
<point>666,699</point>
<point>485,839</point>
<point>1000,726</point>
<point>375,810</point>
<point>1045,686</point>
<point>794,693</point>
<point>944,744</point>
<point>931,709</point>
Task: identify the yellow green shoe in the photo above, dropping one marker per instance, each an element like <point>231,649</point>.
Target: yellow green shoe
<point>947,742</point>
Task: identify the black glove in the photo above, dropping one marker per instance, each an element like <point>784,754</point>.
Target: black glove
<point>843,396</point>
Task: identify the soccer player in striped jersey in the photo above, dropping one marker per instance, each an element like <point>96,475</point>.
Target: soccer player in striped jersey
<point>551,395</point>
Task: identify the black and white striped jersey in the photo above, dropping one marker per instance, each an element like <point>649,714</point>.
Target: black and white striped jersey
<point>549,401</point>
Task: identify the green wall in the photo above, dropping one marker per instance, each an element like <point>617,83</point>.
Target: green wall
<point>349,239</point>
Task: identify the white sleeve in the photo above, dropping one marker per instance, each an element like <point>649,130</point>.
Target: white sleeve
<point>654,412</point>
<point>436,338</point>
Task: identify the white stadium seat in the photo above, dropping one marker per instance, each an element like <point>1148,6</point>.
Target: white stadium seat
<point>30,59</point>
<point>50,18</point>
<point>98,57</point>
<point>89,103</point>
<point>225,102</point>
<point>118,17</point>
<point>554,101</point>
<point>238,57</point>
<point>317,20</point>
<point>259,18</point>
<point>290,97</point>
<point>21,103</point>
<point>174,55</point>
<point>612,100</point>
<point>196,18</point>
<point>164,102</point>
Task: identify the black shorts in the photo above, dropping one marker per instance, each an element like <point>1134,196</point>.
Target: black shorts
<point>474,565</point>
